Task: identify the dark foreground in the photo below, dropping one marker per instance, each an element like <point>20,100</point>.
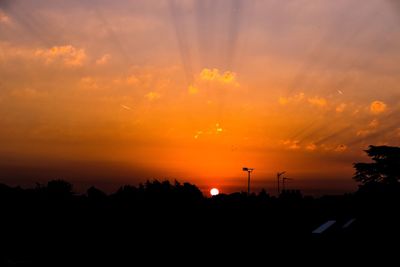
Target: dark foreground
<point>173,223</point>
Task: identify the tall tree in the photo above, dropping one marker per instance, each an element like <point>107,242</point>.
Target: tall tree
<point>385,168</point>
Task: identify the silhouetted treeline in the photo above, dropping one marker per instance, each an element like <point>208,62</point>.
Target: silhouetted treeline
<point>52,225</point>
<point>40,223</point>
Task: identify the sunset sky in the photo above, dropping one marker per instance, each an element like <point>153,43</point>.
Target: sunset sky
<point>115,92</point>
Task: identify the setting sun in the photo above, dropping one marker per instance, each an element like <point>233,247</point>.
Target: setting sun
<point>214,191</point>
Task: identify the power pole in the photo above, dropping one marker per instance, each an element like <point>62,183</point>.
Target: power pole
<point>248,184</point>
<point>278,177</point>
<point>248,170</point>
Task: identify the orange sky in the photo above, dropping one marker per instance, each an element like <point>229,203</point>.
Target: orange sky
<point>124,91</point>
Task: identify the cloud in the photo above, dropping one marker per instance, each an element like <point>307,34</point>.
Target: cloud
<point>283,100</point>
<point>363,133</point>
<point>197,135</point>
<point>214,75</point>
<point>377,107</point>
<point>152,96</point>
<point>209,74</point>
<point>193,90</point>
<point>228,77</point>
<point>286,100</point>
<point>311,147</point>
<point>334,148</point>
<point>341,107</point>
<point>291,144</point>
<point>27,93</point>
<point>4,19</point>
<point>318,101</point>
<point>371,128</point>
<point>340,148</point>
<point>64,56</point>
<point>218,128</point>
<point>67,54</point>
<point>89,83</point>
<point>210,131</point>
<point>373,124</point>
<point>132,80</point>
<point>103,60</point>
<point>11,52</point>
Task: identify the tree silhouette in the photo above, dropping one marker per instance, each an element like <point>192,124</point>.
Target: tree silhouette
<point>96,196</point>
<point>59,189</point>
<point>384,170</point>
<point>127,195</point>
<point>263,195</point>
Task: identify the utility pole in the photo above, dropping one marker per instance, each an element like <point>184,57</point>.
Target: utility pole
<point>248,170</point>
<point>278,177</point>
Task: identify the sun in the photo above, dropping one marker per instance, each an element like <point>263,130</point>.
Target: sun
<point>214,191</point>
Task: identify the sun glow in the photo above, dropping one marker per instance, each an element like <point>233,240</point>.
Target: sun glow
<point>214,191</point>
<point>208,100</point>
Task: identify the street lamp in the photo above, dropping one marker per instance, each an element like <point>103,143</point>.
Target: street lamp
<point>278,176</point>
<point>248,170</point>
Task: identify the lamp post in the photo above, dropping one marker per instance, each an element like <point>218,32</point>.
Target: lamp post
<point>248,170</point>
<point>278,177</point>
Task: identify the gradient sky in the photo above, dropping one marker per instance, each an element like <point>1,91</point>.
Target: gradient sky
<point>114,92</point>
